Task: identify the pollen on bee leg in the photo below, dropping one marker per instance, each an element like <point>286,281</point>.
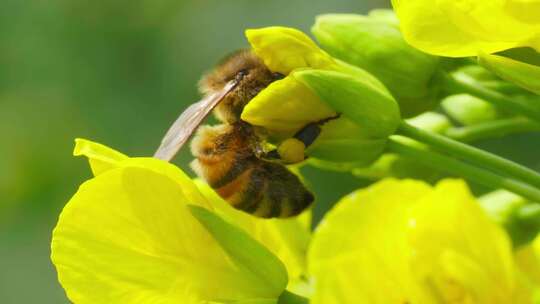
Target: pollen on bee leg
<point>292,151</point>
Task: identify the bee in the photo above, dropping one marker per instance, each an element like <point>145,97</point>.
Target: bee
<point>231,156</point>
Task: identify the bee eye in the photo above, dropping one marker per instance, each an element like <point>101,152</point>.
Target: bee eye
<point>241,74</point>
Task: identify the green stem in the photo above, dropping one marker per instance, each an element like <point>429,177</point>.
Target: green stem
<point>462,84</point>
<point>471,154</point>
<point>288,297</point>
<point>460,168</point>
<point>492,129</point>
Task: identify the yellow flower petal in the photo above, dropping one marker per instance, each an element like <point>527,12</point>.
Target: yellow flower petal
<point>189,189</point>
<point>286,238</point>
<point>528,260</point>
<point>458,251</point>
<point>103,158</point>
<point>273,107</point>
<point>127,236</point>
<point>464,28</point>
<point>374,110</point>
<point>100,157</point>
<point>284,49</point>
<point>248,255</point>
<point>526,11</point>
<point>359,253</point>
<point>406,242</point>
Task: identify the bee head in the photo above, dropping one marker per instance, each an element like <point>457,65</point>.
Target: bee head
<point>251,75</point>
<point>234,66</point>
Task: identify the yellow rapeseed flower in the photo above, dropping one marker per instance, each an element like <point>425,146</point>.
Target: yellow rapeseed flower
<point>408,242</point>
<point>528,261</point>
<point>141,231</point>
<point>288,239</point>
<point>316,87</point>
<point>465,28</point>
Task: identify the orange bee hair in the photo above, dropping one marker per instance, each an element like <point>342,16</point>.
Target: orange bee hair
<point>225,158</point>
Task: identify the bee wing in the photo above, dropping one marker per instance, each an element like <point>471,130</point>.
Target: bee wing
<point>188,121</point>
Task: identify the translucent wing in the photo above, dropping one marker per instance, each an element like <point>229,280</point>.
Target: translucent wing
<point>188,121</point>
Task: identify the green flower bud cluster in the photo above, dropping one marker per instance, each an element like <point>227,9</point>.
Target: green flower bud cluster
<point>495,97</point>
<point>375,43</point>
<point>477,115</point>
<point>316,87</point>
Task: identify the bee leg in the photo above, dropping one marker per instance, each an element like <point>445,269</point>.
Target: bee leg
<point>311,131</point>
<point>292,150</point>
<point>308,134</point>
<point>272,155</point>
<point>261,153</point>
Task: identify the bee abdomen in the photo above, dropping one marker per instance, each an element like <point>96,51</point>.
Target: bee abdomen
<point>285,194</point>
<point>267,190</point>
<point>227,162</point>
<point>239,165</point>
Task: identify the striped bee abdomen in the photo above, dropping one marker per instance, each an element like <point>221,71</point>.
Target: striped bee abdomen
<point>227,161</point>
<point>266,190</point>
<point>280,192</point>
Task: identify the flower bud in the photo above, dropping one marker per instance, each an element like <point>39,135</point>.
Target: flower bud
<point>369,114</point>
<point>284,49</point>
<point>318,87</point>
<point>385,15</point>
<point>522,74</point>
<point>469,110</point>
<point>375,44</point>
<point>375,111</point>
<point>485,78</point>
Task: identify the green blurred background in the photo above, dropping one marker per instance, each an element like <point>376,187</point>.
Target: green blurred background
<point>117,72</point>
